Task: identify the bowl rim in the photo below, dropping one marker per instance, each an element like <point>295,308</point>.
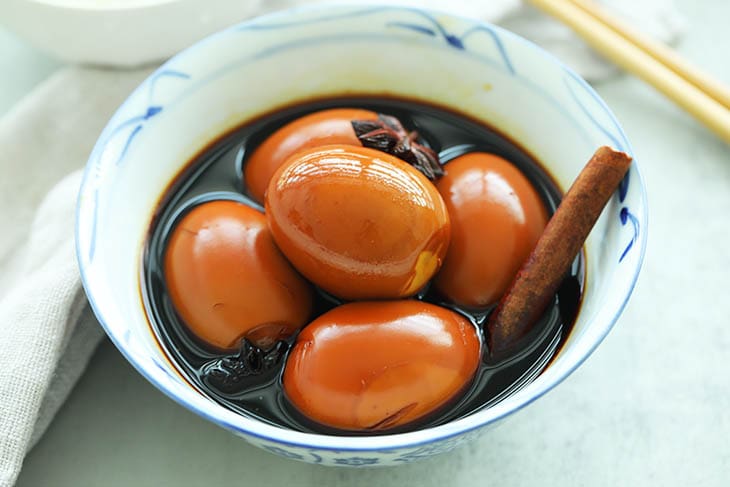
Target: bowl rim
<point>255,428</point>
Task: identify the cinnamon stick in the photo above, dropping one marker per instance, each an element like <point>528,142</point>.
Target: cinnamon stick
<point>535,284</point>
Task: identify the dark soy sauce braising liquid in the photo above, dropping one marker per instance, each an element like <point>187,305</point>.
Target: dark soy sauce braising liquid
<point>216,173</point>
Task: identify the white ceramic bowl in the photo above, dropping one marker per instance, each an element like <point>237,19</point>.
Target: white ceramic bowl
<point>296,55</point>
<point>119,32</point>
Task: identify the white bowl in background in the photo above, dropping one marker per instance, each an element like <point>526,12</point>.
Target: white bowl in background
<point>119,32</point>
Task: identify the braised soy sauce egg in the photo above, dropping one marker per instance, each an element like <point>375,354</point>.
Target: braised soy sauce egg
<point>228,281</point>
<point>497,217</point>
<point>357,222</point>
<point>372,366</point>
<point>333,126</point>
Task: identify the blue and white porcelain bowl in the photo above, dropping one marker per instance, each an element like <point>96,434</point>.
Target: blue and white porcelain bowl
<point>274,61</point>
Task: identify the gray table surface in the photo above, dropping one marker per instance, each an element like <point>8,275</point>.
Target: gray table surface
<point>650,407</point>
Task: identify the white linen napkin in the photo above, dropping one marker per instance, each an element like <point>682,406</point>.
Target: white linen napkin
<point>47,332</point>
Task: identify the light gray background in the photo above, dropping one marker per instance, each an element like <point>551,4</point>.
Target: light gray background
<point>650,407</point>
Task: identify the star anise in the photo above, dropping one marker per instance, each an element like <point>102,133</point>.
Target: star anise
<point>387,134</point>
<point>229,374</point>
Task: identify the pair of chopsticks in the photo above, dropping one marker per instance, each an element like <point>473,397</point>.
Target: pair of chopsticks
<point>702,96</point>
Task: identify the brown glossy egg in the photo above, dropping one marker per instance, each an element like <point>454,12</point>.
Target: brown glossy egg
<point>380,365</point>
<point>326,127</point>
<point>359,223</point>
<point>228,281</point>
<point>496,217</point>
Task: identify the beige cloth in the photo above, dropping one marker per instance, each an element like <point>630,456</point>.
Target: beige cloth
<point>47,332</point>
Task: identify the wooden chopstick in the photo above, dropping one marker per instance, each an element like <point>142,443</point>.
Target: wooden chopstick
<point>635,57</point>
<point>659,51</point>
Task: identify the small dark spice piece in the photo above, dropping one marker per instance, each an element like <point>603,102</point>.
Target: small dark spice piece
<point>387,134</point>
<point>228,374</point>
